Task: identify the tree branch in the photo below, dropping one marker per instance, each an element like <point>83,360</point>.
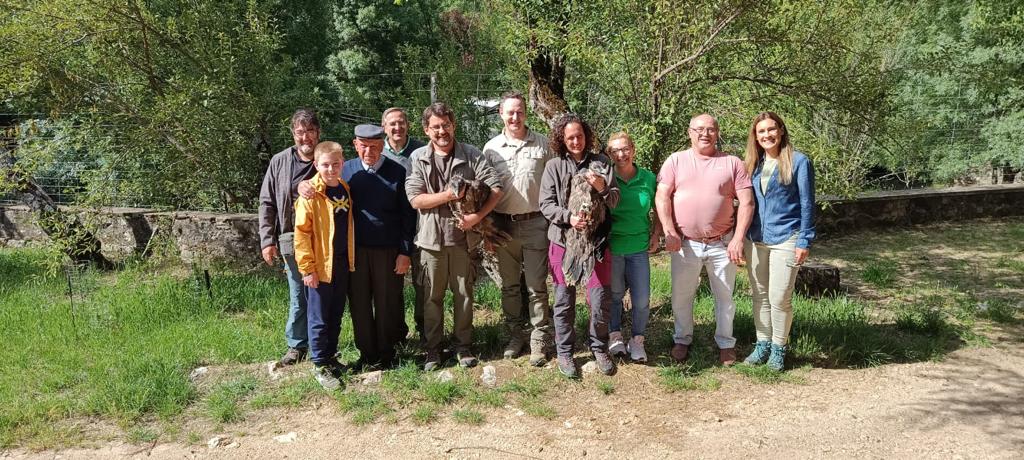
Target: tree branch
<point>708,45</point>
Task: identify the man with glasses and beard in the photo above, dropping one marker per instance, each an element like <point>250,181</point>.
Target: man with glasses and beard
<point>444,239</point>
<point>277,222</point>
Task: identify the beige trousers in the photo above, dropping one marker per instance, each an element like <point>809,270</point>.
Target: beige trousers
<point>772,275</point>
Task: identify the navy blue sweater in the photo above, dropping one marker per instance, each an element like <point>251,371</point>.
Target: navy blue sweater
<point>384,218</point>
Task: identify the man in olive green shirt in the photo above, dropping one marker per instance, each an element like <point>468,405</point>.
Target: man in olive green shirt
<point>444,239</point>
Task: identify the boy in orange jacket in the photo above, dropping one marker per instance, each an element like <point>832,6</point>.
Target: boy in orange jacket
<point>324,252</point>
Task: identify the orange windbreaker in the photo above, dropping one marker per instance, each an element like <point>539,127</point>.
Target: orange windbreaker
<point>314,233</point>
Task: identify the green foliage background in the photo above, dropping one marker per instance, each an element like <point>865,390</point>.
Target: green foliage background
<point>179,104</point>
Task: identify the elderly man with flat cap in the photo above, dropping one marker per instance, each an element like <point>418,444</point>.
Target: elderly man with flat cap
<point>385,225</point>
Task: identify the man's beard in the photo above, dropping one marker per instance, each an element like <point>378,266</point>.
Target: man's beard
<point>443,142</point>
<point>305,149</point>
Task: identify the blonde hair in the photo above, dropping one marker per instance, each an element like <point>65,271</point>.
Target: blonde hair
<point>755,152</point>
<point>615,137</point>
<point>328,148</point>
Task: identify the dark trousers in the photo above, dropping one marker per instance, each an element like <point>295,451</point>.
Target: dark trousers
<point>325,304</point>
<point>598,296</point>
<point>377,304</point>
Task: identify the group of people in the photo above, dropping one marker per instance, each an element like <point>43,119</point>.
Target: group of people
<point>349,231</point>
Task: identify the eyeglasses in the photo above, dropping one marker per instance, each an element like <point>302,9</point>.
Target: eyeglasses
<point>702,131</point>
<point>302,132</point>
<point>622,150</point>
<point>438,128</point>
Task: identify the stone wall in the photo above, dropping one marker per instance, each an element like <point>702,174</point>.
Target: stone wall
<point>914,207</point>
<point>234,238</point>
<point>195,236</point>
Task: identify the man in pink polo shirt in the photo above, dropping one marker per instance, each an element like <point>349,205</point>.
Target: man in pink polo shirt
<point>696,188</point>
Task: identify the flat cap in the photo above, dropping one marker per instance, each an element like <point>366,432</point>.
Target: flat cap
<point>369,132</point>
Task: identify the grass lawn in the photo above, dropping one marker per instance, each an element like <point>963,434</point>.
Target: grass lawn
<point>119,349</point>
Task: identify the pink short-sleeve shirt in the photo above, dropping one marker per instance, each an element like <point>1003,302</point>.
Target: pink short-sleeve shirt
<point>703,189</point>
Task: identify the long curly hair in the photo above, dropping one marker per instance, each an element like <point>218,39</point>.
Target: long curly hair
<point>557,142</point>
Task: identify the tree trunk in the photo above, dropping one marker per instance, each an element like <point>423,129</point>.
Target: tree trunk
<point>547,85</point>
<point>63,228</point>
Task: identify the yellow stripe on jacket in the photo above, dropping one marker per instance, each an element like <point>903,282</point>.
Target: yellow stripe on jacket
<point>314,233</point>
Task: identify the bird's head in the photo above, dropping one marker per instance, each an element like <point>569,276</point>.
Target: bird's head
<point>599,167</point>
<point>585,209</point>
<point>456,184</point>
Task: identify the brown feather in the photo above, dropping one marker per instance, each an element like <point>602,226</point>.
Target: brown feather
<point>581,245</point>
<point>477,193</point>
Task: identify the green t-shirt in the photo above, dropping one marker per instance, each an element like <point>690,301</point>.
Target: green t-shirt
<point>631,227</point>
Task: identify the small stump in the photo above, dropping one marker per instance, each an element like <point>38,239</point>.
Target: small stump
<point>816,279</point>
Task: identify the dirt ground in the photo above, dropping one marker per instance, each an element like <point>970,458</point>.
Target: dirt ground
<point>971,405</point>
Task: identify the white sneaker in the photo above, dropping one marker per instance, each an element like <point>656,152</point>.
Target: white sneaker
<point>636,349</point>
<point>326,378</point>
<point>615,345</point>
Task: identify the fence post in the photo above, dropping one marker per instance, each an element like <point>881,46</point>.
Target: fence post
<point>433,87</point>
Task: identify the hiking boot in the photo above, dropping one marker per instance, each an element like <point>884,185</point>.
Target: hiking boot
<point>537,355</point>
<point>293,356</point>
<point>680,352</point>
<point>636,349</point>
<point>727,356</point>
<point>567,367</point>
<point>325,376</point>
<point>760,353</point>
<point>515,346</point>
<point>466,358</point>
<point>615,344</point>
<point>604,362</point>
<point>432,361</point>
<point>776,361</point>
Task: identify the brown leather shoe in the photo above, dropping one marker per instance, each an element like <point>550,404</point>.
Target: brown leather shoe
<point>680,352</point>
<point>293,356</point>
<point>727,356</point>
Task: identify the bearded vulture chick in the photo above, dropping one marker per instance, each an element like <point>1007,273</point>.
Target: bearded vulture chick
<point>583,247</point>
<point>491,237</point>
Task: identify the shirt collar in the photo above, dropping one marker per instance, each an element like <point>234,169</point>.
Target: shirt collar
<point>376,166</point>
<point>636,175</point>
<point>585,161</point>
<point>457,154</point>
<point>507,140</point>
<point>387,146</point>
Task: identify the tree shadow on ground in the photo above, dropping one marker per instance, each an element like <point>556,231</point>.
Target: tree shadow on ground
<point>830,332</point>
<point>983,258</point>
<point>988,397</point>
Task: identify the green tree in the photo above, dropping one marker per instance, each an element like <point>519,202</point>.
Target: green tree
<point>173,102</point>
<point>365,65</point>
<point>406,53</point>
<point>648,66</point>
<point>961,92</point>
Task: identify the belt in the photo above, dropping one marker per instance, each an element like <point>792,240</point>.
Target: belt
<point>519,217</point>
<point>711,239</point>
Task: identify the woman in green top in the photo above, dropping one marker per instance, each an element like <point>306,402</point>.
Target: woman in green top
<point>631,242</point>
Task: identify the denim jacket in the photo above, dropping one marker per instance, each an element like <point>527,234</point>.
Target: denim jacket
<point>785,209</point>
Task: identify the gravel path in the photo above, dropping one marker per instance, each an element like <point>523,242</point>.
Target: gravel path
<point>971,405</point>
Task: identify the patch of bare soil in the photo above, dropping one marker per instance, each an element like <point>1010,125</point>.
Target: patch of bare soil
<point>971,405</point>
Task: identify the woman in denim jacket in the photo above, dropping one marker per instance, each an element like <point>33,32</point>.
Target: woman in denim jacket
<point>780,234</point>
